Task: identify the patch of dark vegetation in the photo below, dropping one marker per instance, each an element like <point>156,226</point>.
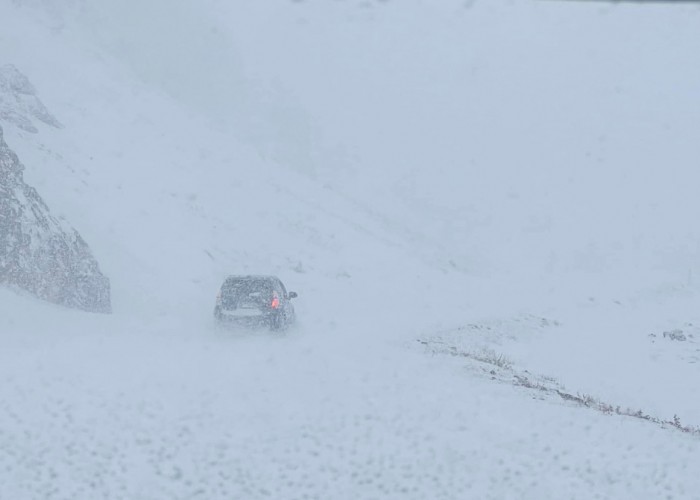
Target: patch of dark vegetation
<point>549,386</point>
<point>484,356</point>
<point>685,334</point>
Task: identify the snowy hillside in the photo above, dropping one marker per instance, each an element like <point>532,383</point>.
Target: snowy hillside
<point>482,207</point>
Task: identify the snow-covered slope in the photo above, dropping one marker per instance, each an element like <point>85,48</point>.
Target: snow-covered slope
<point>410,169</point>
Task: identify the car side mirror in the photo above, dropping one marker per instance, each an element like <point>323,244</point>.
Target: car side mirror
<point>293,295</point>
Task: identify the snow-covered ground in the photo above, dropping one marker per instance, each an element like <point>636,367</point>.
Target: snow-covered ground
<point>513,181</point>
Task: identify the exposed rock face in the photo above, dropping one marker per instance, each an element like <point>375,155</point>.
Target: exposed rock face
<point>39,253</point>
<point>19,103</point>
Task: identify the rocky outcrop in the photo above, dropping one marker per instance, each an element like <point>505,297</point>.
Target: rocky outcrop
<point>19,104</point>
<point>39,253</point>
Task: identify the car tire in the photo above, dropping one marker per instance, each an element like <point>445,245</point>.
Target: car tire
<point>276,323</point>
<point>217,314</point>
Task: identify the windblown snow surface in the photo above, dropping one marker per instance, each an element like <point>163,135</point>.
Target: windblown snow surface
<point>484,207</point>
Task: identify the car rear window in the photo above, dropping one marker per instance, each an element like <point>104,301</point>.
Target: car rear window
<point>238,288</point>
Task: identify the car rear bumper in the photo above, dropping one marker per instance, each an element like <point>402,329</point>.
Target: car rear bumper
<point>261,320</point>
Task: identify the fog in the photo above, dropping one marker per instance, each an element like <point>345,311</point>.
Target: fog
<point>462,194</point>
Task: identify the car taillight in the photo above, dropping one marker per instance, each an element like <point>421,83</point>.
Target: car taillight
<point>275,302</point>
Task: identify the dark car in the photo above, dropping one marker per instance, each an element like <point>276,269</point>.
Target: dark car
<point>254,302</point>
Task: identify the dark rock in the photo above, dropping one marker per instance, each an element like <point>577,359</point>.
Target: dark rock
<point>676,334</point>
<point>39,253</point>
